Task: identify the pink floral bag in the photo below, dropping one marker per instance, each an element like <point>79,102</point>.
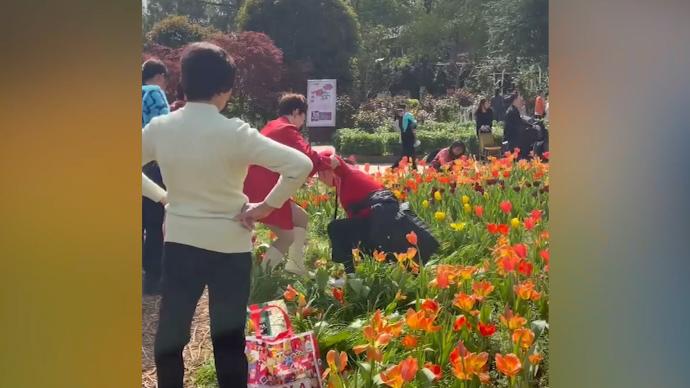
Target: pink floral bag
<point>286,360</point>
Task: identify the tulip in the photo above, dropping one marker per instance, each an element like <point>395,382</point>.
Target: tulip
<point>525,268</point>
<point>435,370</point>
<point>535,358</point>
<point>460,321</point>
<point>515,223</point>
<point>440,216</point>
<point>509,364</point>
<point>339,295</point>
<point>486,330</point>
<point>523,337</point>
<point>379,256</point>
<point>506,207</point>
<point>458,227</point>
<point>463,301</point>
<point>465,199</point>
<point>409,342</point>
<point>529,223</point>
<point>479,211</point>
<point>521,250</point>
<point>437,196</point>
<point>482,289</point>
<point>425,204</point>
<point>412,238</point>
<point>467,208</point>
<point>290,294</point>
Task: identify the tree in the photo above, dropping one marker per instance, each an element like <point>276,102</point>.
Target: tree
<point>177,31</point>
<point>219,14</point>
<point>317,36</point>
<point>519,29</point>
<point>259,64</point>
<point>387,13</point>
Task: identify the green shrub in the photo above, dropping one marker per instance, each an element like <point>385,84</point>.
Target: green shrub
<point>177,31</point>
<point>353,141</point>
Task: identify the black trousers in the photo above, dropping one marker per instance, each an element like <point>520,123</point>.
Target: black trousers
<point>186,270</point>
<point>152,215</point>
<point>345,235</point>
<point>408,140</point>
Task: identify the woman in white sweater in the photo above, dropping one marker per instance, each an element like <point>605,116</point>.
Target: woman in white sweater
<point>203,158</point>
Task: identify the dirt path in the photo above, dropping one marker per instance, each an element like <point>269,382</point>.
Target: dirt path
<point>196,353</point>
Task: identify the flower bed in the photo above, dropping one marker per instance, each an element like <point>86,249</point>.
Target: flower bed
<point>476,314</point>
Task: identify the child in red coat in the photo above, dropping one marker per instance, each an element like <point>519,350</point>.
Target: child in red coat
<point>289,223</point>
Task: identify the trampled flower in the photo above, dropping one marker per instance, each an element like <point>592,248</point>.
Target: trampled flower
<point>339,295</point>
<point>290,294</point>
<point>506,207</point>
<point>523,337</point>
<point>509,364</point>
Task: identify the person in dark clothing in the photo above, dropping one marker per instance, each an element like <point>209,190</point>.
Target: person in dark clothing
<point>352,187</point>
<point>154,103</point>
<point>516,126</point>
<point>484,117</point>
<point>407,125</point>
<point>498,106</point>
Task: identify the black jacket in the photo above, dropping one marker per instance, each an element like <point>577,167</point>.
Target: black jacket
<point>484,118</point>
<point>514,125</point>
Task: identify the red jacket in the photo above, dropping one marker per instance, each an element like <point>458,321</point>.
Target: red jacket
<point>354,187</point>
<point>260,181</point>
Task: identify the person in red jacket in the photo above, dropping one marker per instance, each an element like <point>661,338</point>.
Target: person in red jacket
<point>352,186</point>
<point>289,223</point>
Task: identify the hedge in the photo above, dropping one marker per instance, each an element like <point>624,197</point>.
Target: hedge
<point>349,141</point>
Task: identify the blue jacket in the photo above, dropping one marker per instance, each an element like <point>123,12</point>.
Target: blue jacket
<point>153,103</point>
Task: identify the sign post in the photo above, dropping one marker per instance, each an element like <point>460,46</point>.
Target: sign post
<point>321,98</point>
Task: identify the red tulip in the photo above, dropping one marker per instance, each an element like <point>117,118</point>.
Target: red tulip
<point>479,211</point>
<point>506,207</point>
<point>459,323</point>
<point>530,223</point>
<point>545,255</point>
<point>339,295</point>
<point>525,268</point>
<point>487,330</point>
<point>412,238</point>
<point>521,250</point>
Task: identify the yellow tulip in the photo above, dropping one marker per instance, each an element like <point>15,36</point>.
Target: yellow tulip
<point>467,207</point>
<point>425,204</point>
<point>397,194</point>
<point>465,199</point>
<point>437,195</point>
<point>486,195</point>
<point>458,226</point>
<point>440,216</point>
<point>515,222</point>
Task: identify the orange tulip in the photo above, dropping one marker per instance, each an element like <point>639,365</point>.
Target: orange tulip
<point>411,252</point>
<point>479,211</point>
<point>466,364</point>
<point>460,321</point>
<point>512,321</point>
<point>409,342</point>
<point>418,320</point>
<point>444,276</point>
<point>467,272</point>
<point>535,358</point>
<point>526,291</point>
<point>430,306</point>
<point>412,238</point>
<point>482,289</point>
<point>379,256</point>
<point>290,294</point>
<point>409,368</point>
<point>509,364</point>
<point>463,301</point>
<point>523,337</point>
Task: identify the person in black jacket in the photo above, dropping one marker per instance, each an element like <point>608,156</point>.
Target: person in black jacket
<point>484,117</point>
<point>515,125</point>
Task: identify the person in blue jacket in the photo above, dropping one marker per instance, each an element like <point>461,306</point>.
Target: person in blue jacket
<point>407,125</point>
<point>153,103</point>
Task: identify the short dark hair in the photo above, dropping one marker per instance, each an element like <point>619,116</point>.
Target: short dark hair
<point>152,68</point>
<point>207,70</point>
<point>289,102</point>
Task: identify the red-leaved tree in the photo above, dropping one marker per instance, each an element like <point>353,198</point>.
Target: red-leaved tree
<point>259,69</point>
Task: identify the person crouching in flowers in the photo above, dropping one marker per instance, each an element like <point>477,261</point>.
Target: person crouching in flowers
<point>357,192</point>
<point>448,155</point>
